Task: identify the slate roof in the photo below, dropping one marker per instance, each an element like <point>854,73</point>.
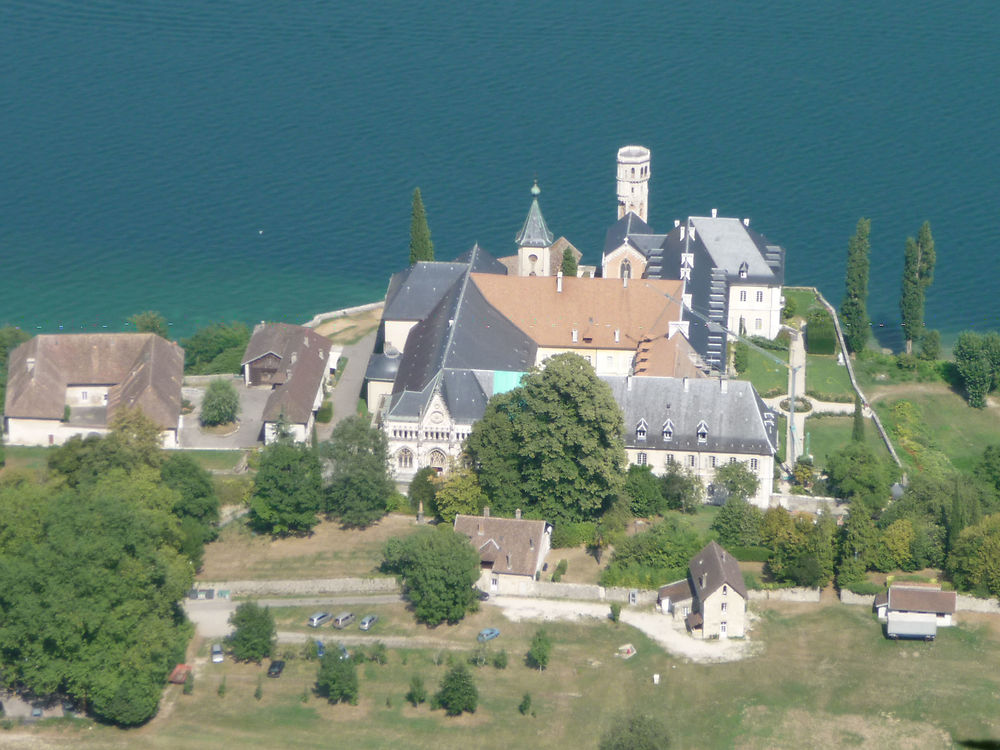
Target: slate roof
<point>731,243</point>
<point>413,293</point>
<point>918,599</point>
<point>509,545</point>
<point>535,232</point>
<point>595,308</point>
<point>711,568</point>
<point>141,369</point>
<point>305,357</point>
<point>462,332</point>
<point>736,419</point>
<point>631,227</point>
<point>480,261</point>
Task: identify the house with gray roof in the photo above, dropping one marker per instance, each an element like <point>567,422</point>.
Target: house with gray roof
<point>511,550</point>
<point>712,600</point>
<point>63,385</point>
<point>700,425</point>
<point>295,362</point>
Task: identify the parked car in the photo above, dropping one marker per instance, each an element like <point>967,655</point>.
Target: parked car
<point>320,618</point>
<point>343,620</point>
<point>482,596</point>
<point>487,635</point>
<point>367,621</point>
<point>320,649</point>
<point>276,668</point>
<point>217,655</point>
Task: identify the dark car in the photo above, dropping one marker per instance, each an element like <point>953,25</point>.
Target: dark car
<point>320,649</point>
<point>276,668</point>
<point>482,595</point>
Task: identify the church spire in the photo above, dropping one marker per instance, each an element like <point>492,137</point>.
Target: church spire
<point>534,233</point>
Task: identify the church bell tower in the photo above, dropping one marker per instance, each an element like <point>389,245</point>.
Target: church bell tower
<point>633,181</point>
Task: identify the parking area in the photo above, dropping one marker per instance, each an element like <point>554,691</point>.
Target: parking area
<point>252,402</point>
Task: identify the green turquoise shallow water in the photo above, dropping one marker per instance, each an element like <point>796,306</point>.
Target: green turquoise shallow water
<point>255,160</point>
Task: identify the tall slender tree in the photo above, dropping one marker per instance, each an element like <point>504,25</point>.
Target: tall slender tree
<point>421,247</point>
<point>858,430</point>
<point>569,266</point>
<point>918,273</point>
<point>854,307</point>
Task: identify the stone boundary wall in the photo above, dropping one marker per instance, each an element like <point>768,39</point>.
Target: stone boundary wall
<point>795,594</point>
<point>317,319</point>
<point>864,600</point>
<point>195,380</point>
<point>586,592</point>
<point>305,587</point>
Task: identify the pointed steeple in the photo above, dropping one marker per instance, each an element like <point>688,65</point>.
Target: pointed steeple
<point>534,233</point>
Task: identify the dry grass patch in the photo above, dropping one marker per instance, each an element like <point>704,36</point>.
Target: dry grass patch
<point>329,552</point>
<point>351,328</point>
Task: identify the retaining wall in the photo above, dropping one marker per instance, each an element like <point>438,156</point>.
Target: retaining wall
<point>796,594</point>
<point>968,603</point>
<point>305,587</point>
<point>317,319</point>
<point>864,600</point>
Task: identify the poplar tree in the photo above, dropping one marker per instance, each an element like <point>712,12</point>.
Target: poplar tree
<point>421,247</point>
<point>854,307</point>
<point>918,273</point>
<point>858,430</point>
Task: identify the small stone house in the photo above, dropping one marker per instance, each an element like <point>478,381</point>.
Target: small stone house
<point>295,363</point>
<point>511,550</point>
<point>712,600</point>
<point>914,610</point>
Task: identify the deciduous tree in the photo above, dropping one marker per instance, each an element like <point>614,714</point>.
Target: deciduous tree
<point>644,491</point>
<point>150,321</point>
<point>683,490</point>
<point>215,349</point>
<point>976,366</point>
<point>854,307</point>
<point>738,523</point>
<point>460,493</point>
<point>221,403</point>
<point>918,273</point>
<point>254,636</point>
<point>360,486</point>
<point>974,562</point>
<point>458,692</point>
<point>421,247</point>
<point>540,650</point>
<point>737,479</point>
<point>554,445</point>
<point>287,490</point>
<point>337,680</point>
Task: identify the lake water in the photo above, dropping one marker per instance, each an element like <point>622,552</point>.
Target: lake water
<point>255,160</point>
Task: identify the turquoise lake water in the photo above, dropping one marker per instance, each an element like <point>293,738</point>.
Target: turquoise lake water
<point>255,160</point>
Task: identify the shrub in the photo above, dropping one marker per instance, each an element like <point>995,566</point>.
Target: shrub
<point>572,534</point>
<point>458,692</point>
<point>500,660</point>
<point>821,337</point>
<point>221,403</point>
<point>222,688</point>
<point>865,587</point>
<point>189,683</point>
<point>616,612</point>
<point>525,705</point>
<point>417,693</point>
<point>259,692</point>
<point>325,413</point>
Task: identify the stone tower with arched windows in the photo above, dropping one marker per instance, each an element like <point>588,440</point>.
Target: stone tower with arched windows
<point>633,181</point>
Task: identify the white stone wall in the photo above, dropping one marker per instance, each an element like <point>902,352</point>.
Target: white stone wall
<point>53,432</point>
<point>767,311</point>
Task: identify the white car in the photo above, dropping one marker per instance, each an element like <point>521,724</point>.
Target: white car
<point>217,656</point>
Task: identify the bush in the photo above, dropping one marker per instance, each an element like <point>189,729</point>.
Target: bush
<point>189,683</point>
<point>325,413</point>
<point>417,693</point>
<point>560,571</point>
<point>821,336</point>
<point>525,705</point>
<point>500,660</point>
<point>221,404</point>
<point>865,588</point>
<point>572,534</point>
<point>222,688</point>
<point>750,554</point>
<point>616,612</point>
<point>751,580</point>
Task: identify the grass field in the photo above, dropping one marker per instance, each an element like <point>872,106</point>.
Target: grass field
<point>330,552</point>
<point>824,376</point>
<point>947,422</point>
<point>827,434</point>
<point>823,676</point>
<point>803,300</point>
<point>216,460</point>
<point>25,457</point>
<point>766,375</point>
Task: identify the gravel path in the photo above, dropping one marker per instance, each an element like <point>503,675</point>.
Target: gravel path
<point>659,628</point>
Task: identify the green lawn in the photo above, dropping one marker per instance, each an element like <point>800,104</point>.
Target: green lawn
<point>823,676</point>
<point>25,457</point>
<point>827,434</point>
<point>803,299</point>
<point>215,460</point>
<point>767,376</point>
<point>827,379</point>
<point>947,424</point>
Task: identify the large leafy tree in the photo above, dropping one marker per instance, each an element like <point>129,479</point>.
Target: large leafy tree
<point>858,475</point>
<point>738,523</point>
<point>287,490</point>
<point>854,307</point>
<point>216,348</point>
<point>736,480</point>
<point>197,505</point>
<point>554,445</point>
<point>150,321</point>
<point>807,556</point>
<point>438,568</point>
<point>254,632</point>
<point>359,487</point>
<point>682,488</point>
<point>974,562</point>
<point>644,491</point>
<point>337,680</point>
<point>977,359</point>
<point>458,692</point>
<point>221,403</point>
<point>918,273</point>
<point>460,493</point>
<point>421,247</point>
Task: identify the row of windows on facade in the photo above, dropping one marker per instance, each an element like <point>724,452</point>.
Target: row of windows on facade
<point>642,459</point>
<point>429,435</point>
<point>404,459</point>
<point>743,296</point>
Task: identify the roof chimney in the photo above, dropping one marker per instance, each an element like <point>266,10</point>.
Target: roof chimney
<point>559,282</point>
<point>486,511</point>
<point>624,282</point>
<point>715,212</point>
<point>677,223</point>
<point>686,385</point>
<point>682,232</point>
<point>531,542</point>
<point>618,335</point>
<point>30,362</point>
<point>746,222</point>
<point>517,514</point>
<point>508,561</point>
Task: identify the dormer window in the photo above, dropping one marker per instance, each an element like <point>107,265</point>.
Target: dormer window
<point>744,269</point>
<point>640,430</point>
<point>702,432</point>
<point>668,430</point>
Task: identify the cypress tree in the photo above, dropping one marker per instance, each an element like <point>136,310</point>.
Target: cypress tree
<point>854,307</point>
<point>918,273</point>
<point>568,263</point>
<point>421,247</point>
<point>858,433</point>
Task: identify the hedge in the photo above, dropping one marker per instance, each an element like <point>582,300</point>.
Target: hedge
<point>751,554</point>
<point>573,534</point>
<point>864,588</point>
<point>821,336</point>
